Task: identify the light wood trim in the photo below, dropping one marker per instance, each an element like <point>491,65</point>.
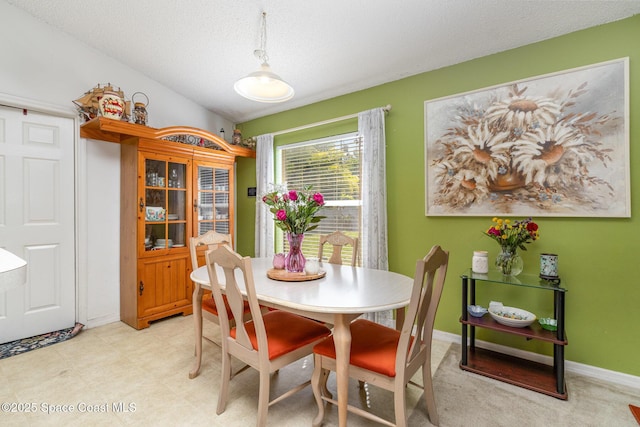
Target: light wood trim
<point>168,148</point>
<point>207,155</point>
<point>229,148</point>
<point>119,131</point>
<point>128,234</point>
<point>110,130</point>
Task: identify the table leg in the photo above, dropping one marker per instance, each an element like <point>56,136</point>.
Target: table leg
<point>400,316</point>
<point>342,341</point>
<point>197,318</point>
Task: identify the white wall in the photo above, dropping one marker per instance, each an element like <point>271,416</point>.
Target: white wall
<point>40,65</point>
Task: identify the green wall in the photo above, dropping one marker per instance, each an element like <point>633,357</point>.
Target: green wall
<point>598,257</point>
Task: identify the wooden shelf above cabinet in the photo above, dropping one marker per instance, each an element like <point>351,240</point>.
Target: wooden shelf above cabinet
<point>121,132</point>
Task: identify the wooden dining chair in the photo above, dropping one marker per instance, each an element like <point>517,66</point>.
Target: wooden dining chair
<point>198,245</point>
<point>338,240</point>
<point>268,342</point>
<point>388,358</point>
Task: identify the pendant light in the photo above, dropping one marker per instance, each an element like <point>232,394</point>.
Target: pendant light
<point>264,85</point>
<point>13,270</point>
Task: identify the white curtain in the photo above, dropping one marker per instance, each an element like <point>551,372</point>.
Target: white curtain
<point>264,234</point>
<point>374,197</point>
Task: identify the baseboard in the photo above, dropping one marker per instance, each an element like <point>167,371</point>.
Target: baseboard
<point>574,367</point>
<point>101,321</point>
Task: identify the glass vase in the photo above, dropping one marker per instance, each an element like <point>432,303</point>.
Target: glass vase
<point>294,261</point>
<point>509,262</point>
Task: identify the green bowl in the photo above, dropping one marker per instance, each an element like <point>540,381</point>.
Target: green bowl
<point>548,324</point>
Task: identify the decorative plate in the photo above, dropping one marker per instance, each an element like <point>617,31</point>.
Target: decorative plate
<point>511,316</point>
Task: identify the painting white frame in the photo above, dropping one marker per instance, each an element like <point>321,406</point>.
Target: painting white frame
<point>551,145</point>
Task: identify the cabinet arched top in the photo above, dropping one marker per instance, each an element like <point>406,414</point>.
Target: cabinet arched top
<point>117,131</point>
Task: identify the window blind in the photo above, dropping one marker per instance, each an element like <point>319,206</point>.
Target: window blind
<point>332,166</point>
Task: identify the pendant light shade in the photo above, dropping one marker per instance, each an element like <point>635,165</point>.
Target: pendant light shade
<point>13,270</point>
<point>264,85</point>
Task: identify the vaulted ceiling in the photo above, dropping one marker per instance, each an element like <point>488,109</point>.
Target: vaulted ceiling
<point>327,48</point>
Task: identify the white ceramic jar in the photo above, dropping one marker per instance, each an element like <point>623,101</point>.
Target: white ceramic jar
<point>480,262</point>
<point>312,266</point>
<point>111,106</point>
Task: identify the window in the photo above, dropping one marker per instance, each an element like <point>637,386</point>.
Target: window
<point>332,166</point>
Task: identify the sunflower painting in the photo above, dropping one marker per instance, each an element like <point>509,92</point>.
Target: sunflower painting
<point>555,145</point>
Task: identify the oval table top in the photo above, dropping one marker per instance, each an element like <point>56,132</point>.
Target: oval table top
<point>344,289</point>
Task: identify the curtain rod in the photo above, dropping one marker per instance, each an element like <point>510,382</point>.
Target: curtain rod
<point>386,109</point>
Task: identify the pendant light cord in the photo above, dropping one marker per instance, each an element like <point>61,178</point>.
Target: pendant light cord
<point>261,53</point>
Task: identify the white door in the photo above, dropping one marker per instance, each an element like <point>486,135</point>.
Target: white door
<point>37,221</point>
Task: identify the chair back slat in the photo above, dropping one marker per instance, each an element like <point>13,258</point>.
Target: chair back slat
<point>338,240</point>
<point>428,283</point>
<point>211,239</point>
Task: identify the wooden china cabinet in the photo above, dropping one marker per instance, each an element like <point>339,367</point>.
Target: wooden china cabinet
<point>175,183</point>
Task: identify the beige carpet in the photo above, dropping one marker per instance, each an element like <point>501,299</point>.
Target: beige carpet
<point>467,399</point>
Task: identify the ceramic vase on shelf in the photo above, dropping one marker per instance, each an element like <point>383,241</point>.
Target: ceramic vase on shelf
<point>294,260</point>
<point>509,262</point>
<point>111,106</point>
<point>236,139</point>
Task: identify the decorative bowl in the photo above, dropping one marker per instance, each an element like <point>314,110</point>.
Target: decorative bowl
<point>155,213</point>
<point>511,316</point>
<point>476,310</point>
<point>160,243</point>
<point>548,323</point>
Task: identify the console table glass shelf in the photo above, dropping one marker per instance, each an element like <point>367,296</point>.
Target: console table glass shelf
<point>514,370</point>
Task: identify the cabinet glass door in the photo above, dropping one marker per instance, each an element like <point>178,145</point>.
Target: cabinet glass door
<point>177,211</point>
<point>213,199</point>
<point>165,198</point>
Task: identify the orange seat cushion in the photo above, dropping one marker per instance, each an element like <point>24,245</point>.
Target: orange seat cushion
<point>373,347</point>
<point>209,304</point>
<point>285,332</point>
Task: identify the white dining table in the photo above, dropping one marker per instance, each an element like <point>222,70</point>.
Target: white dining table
<point>342,295</point>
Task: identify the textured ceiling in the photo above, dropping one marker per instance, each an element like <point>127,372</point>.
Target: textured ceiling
<point>322,48</point>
